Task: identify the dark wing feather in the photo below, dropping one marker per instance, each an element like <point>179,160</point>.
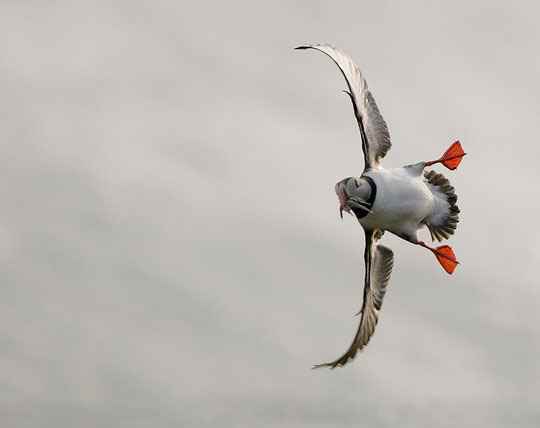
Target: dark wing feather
<point>373,130</point>
<point>445,214</point>
<point>379,261</point>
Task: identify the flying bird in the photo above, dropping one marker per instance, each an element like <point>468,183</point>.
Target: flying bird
<point>401,201</point>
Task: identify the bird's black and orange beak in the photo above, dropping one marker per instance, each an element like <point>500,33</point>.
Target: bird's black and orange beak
<point>342,196</point>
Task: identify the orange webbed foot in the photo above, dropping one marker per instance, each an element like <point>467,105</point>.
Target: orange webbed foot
<point>446,257</point>
<point>452,156</point>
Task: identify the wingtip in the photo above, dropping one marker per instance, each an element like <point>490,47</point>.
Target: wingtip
<point>320,366</point>
<point>302,47</point>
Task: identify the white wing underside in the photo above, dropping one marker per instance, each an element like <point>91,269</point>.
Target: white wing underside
<point>375,136</point>
<point>374,291</point>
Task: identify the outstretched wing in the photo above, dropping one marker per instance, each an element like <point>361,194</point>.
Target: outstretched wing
<point>373,129</point>
<point>379,261</point>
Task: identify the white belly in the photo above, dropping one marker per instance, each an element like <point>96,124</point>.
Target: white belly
<point>403,201</point>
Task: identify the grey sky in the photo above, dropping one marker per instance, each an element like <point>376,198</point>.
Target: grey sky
<point>170,244</point>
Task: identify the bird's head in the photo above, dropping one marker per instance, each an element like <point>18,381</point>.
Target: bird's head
<point>351,192</point>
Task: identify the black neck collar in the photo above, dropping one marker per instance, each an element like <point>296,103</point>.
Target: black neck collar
<point>361,212</point>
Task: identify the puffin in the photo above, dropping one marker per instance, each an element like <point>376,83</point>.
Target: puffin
<point>401,201</point>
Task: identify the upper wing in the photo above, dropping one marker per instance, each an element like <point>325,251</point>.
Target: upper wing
<point>373,129</point>
<point>379,261</point>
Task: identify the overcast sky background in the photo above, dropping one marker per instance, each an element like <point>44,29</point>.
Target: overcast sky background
<point>170,247</point>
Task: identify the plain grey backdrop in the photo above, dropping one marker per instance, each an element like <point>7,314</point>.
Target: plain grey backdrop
<point>170,247</point>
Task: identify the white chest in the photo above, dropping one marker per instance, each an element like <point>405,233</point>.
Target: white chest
<point>402,199</point>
